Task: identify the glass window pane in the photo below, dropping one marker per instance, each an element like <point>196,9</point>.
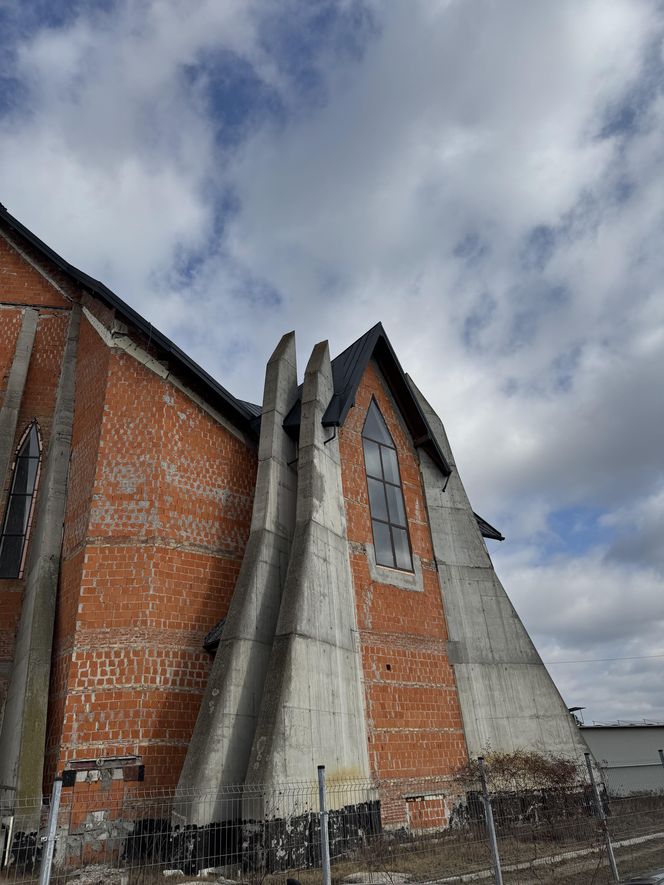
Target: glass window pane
<point>401,549</point>
<point>375,427</point>
<point>377,499</point>
<point>395,505</point>
<point>17,514</point>
<point>390,466</point>
<point>372,458</point>
<point>31,445</point>
<point>24,476</point>
<point>383,544</point>
<point>10,556</point>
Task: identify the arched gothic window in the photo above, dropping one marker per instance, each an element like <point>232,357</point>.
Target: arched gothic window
<point>388,514</point>
<point>20,505</point>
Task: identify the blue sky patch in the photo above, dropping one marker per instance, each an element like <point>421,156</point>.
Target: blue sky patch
<point>574,531</point>
<point>298,38</point>
<point>24,19</point>
<point>624,118</point>
<point>13,95</point>
<point>233,95</point>
<point>538,248</point>
<point>564,368</point>
<point>477,321</point>
<point>471,248</point>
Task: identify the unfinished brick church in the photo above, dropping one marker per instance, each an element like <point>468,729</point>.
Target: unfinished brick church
<point>209,591</point>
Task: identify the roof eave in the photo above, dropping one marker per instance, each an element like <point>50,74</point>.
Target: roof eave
<point>378,345</point>
<point>487,530</point>
<point>230,406</point>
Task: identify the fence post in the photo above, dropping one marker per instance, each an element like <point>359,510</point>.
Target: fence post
<point>602,816</point>
<point>48,840</point>
<point>324,836</point>
<point>488,813</point>
<point>661,756</point>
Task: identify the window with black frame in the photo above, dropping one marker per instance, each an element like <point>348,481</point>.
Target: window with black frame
<point>388,513</point>
<point>18,514</point>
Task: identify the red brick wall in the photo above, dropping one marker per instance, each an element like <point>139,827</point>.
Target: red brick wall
<point>91,378</point>
<point>21,284</point>
<point>426,812</point>
<point>169,512</point>
<point>41,384</point>
<point>10,326</point>
<point>158,512</point>
<point>413,716</point>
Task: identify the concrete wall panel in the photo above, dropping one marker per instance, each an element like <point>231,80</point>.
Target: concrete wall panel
<point>508,700</point>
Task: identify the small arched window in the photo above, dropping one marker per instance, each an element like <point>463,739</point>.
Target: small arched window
<point>20,505</point>
<point>388,514</point>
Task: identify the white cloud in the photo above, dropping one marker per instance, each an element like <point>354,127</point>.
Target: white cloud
<point>448,178</point>
<point>603,610</point>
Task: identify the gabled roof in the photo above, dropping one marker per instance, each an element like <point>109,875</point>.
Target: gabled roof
<point>347,371</point>
<point>242,414</point>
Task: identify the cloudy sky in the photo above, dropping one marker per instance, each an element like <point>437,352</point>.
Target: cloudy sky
<point>484,177</point>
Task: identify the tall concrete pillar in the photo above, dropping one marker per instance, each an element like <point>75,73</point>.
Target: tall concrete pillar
<point>23,736</point>
<point>219,750</point>
<point>312,711</point>
<point>508,700</point>
<point>14,396</point>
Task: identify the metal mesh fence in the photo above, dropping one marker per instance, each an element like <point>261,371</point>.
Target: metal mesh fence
<point>114,831</point>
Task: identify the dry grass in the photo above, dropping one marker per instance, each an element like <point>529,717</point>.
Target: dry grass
<point>435,857</point>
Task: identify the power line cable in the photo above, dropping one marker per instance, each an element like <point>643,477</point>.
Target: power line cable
<point>602,660</point>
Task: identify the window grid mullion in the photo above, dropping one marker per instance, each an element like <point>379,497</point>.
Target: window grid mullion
<point>394,550</point>
<point>391,526</point>
<point>387,506</point>
<point>22,461</point>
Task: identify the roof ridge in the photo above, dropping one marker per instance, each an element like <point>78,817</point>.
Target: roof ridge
<point>347,370</point>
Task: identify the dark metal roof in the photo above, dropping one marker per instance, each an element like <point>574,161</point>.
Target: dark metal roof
<point>347,371</point>
<point>252,408</point>
<point>240,412</point>
<point>213,636</point>
<point>488,531</point>
<point>255,421</point>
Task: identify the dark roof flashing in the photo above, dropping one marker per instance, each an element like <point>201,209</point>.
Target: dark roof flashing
<point>347,371</point>
<point>213,637</point>
<point>488,531</point>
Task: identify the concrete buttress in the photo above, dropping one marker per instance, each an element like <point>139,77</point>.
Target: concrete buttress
<point>22,741</point>
<point>14,394</point>
<point>508,700</point>
<point>312,711</point>
<point>218,753</point>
